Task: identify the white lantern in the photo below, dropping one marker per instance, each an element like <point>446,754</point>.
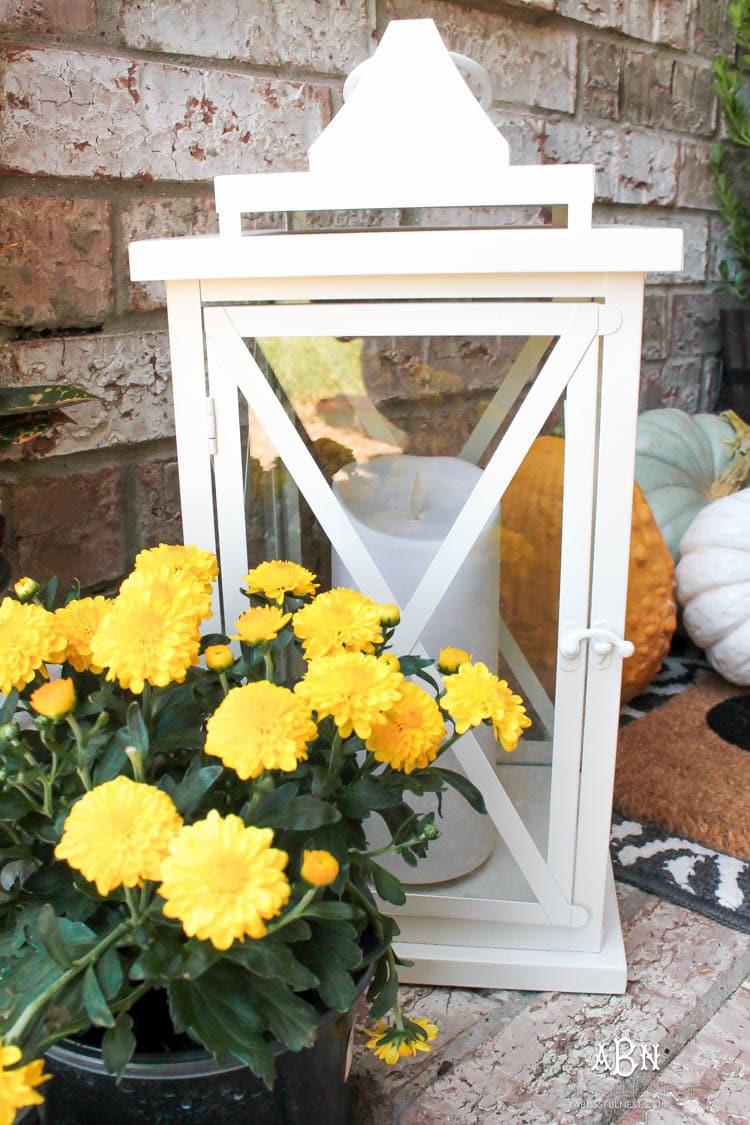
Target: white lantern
<point>553,316</point>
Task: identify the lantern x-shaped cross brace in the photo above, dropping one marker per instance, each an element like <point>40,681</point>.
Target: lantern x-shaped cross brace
<point>576,326</point>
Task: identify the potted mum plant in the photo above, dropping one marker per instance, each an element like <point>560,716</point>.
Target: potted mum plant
<point>190,908</point>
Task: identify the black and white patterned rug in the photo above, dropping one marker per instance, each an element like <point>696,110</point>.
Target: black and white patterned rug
<point>681,871</point>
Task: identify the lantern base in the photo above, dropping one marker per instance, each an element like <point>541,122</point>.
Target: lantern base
<point>536,970</point>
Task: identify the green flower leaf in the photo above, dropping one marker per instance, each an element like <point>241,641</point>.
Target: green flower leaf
<point>387,885</point>
<point>118,1045</point>
<point>94,1000</point>
<point>50,936</point>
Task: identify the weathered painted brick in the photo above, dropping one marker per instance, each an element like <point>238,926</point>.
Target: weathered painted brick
<point>677,382</point>
<point>720,248</point>
<point>47,15</point>
<point>76,114</point>
<point>712,31</point>
<point>632,166</point>
<point>128,371</point>
<point>156,496</point>
<point>524,134</point>
<point>710,1078</point>
<point>59,272</point>
<point>531,64</point>
<point>657,21</point>
<point>599,13</point>
<point>710,383</point>
<point>660,92</point>
<point>696,185</point>
<point>694,227</point>
<point>653,21</point>
<point>695,324</point>
<point>321,35</point>
<point>602,75</point>
<point>165,218</point>
<point>539,1067</point>
<point>655,338</point>
<point>71,525</point>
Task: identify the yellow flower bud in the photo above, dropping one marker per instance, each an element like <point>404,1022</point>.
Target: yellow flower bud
<point>319,868</point>
<point>25,589</point>
<point>55,699</point>
<point>219,658</point>
<point>451,659</point>
<point>390,615</point>
<point>391,660</point>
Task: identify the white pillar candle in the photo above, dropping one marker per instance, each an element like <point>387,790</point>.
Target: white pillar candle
<point>403,507</point>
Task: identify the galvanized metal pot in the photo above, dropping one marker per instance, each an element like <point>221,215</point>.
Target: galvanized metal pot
<point>311,1086</point>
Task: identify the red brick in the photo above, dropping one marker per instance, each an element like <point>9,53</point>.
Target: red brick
<point>165,218</point>
<point>59,272</point>
<point>157,501</point>
<point>47,15</point>
<point>72,525</point>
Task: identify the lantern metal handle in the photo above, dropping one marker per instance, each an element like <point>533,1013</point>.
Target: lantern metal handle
<point>469,66</point>
<point>604,643</point>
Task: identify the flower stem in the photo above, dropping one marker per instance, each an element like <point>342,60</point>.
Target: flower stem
<point>39,1003</point>
<point>82,768</point>
<point>295,912</point>
<point>135,914</point>
<point>268,663</point>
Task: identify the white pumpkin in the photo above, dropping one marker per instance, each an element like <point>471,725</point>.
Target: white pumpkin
<point>684,461</point>
<point>713,584</point>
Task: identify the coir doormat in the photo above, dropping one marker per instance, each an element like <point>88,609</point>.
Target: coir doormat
<point>682,792</point>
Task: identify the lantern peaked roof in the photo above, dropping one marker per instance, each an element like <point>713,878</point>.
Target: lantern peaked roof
<point>410,134</point>
<point>411,112</point>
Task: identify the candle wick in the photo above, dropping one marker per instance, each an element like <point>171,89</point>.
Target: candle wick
<point>416,498</point>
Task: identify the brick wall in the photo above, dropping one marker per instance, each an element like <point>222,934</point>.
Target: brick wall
<point>117,114</point>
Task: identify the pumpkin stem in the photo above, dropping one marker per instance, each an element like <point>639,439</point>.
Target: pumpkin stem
<point>733,478</point>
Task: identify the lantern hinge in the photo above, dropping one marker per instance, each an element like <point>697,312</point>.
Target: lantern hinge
<point>211,425</point>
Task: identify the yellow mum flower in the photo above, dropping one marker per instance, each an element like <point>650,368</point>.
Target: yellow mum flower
<point>393,1043</point>
<point>219,658</point>
<point>451,659</point>
<point>152,633</point>
<point>474,695</point>
<point>223,880</point>
<point>188,561</point>
<point>17,1085</point>
<point>26,588</point>
<point>54,700</point>
<point>259,624</point>
<point>411,735</point>
<point>355,689</point>
<point>275,579</point>
<point>339,621</point>
<point>260,726</point>
<point>118,833</point>
<point>319,868</point>
<point>78,621</point>
<point>29,636</point>
<point>390,614</point>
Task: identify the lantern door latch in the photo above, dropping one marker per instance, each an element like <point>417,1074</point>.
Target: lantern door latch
<point>605,643</point>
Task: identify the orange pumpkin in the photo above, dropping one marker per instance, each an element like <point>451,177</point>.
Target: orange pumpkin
<point>530,572</point>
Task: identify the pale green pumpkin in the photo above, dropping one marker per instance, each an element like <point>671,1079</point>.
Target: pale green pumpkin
<point>684,461</point>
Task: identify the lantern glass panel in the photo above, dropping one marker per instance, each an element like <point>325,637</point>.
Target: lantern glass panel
<point>414,404</point>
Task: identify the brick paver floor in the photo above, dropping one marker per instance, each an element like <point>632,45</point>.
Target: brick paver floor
<point>526,1057</point>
